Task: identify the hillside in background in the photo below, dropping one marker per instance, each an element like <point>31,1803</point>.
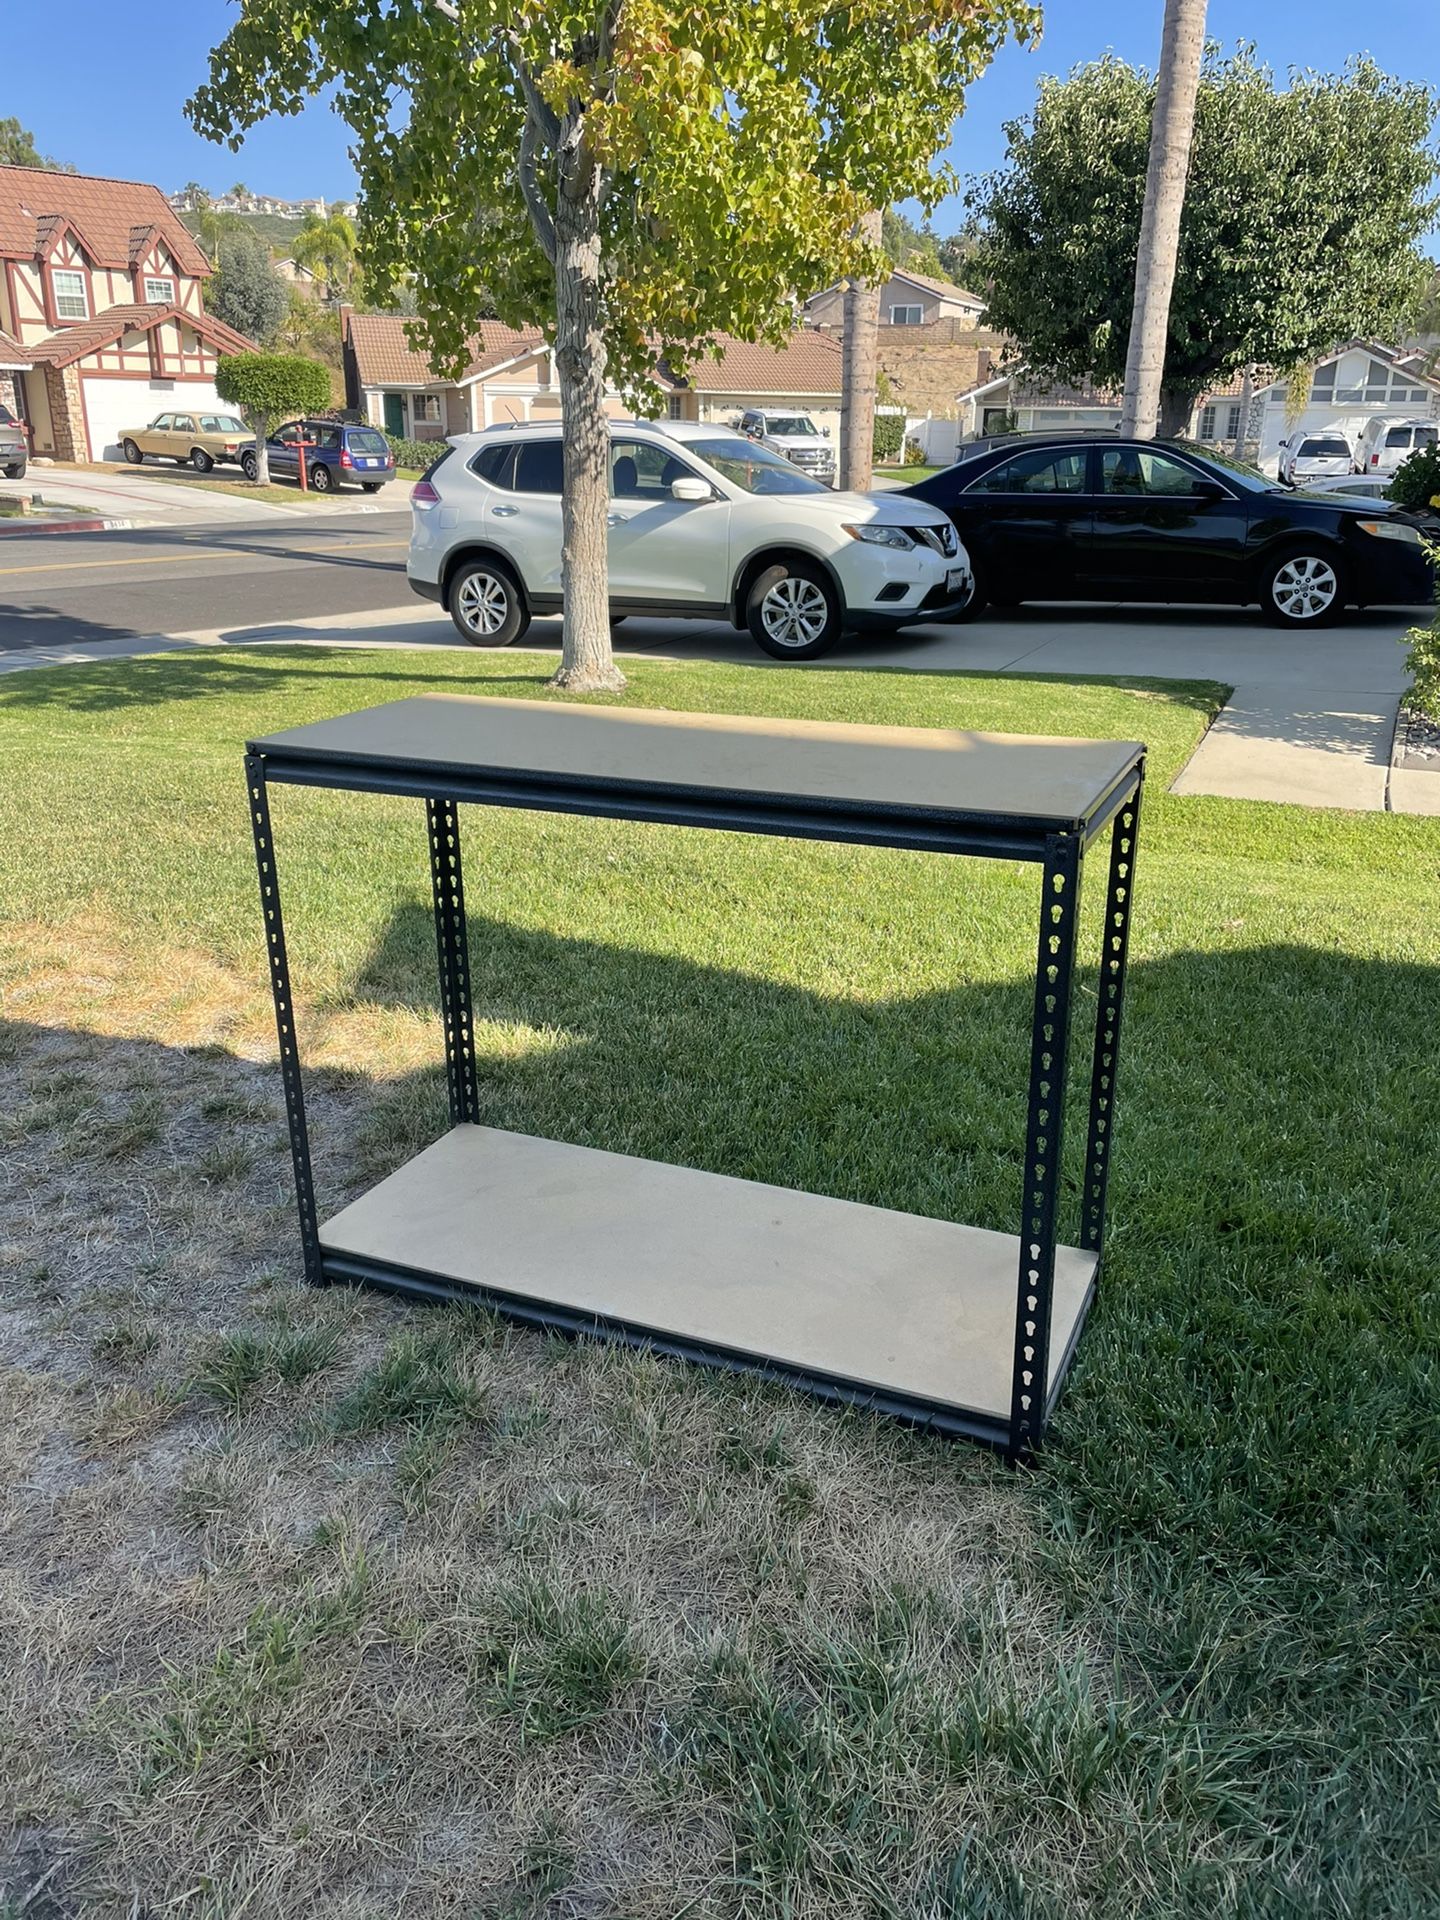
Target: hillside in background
<point>273,228</point>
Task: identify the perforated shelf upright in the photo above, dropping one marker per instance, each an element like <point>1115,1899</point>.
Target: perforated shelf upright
<point>958,1328</point>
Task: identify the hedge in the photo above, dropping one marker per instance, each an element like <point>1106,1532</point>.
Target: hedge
<point>889,436</point>
<point>414,453</point>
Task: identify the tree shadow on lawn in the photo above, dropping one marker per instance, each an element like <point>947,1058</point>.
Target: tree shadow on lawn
<point>151,680</point>
<point>1275,1206</point>
<point>1243,1471</point>
<point>1242,1478</point>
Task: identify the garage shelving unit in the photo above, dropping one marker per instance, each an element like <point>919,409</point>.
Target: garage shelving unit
<point>958,1328</point>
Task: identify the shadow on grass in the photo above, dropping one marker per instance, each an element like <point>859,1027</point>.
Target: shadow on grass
<point>1242,1486</point>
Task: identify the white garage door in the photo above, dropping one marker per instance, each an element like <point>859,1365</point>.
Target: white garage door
<point>113,407</point>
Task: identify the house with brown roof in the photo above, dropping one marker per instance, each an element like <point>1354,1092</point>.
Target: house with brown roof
<point>100,289</point>
<point>510,376</point>
<point>906,300</point>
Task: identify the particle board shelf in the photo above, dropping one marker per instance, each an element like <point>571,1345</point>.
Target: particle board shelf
<point>951,1326</point>
<point>891,1304</point>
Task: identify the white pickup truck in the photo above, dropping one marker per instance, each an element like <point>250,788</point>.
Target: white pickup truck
<point>795,437</point>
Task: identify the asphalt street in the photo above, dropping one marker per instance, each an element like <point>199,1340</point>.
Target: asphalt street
<point>76,588</point>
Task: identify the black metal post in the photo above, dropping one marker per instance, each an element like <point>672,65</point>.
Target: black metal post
<point>442,817</point>
<point>1044,1135</point>
<point>284,1016</point>
<point>1114,953</point>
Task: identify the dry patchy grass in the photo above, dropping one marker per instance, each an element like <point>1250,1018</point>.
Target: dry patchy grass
<point>322,1605</point>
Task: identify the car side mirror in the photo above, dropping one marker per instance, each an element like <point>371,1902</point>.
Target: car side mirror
<point>826,432</point>
<point>691,488</point>
<point>1209,490</point>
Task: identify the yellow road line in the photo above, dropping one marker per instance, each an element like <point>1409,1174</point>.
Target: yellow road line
<point>207,553</point>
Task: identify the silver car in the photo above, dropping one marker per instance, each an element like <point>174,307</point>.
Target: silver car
<point>14,447</point>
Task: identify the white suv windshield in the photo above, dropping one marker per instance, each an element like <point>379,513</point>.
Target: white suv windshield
<point>786,423</point>
<point>754,468</point>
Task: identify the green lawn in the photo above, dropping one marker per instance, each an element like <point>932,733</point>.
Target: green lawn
<point>336,1606</point>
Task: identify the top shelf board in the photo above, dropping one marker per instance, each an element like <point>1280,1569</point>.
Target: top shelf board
<point>899,786</point>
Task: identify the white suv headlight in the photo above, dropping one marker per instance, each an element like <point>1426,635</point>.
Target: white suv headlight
<point>876,534</point>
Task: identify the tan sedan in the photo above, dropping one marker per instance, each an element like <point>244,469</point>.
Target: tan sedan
<point>195,440</point>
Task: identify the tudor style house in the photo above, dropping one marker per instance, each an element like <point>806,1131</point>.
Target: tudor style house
<point>100,292</point>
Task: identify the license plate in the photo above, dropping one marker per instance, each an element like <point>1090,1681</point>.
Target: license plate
<point>955,579</point>
<point>366,462</point>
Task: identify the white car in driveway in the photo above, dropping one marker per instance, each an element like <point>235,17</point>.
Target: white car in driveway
<point>1313,456</point>
<point>704,524</point>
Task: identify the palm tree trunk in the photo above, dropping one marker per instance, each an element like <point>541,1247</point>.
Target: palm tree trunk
<point>1182,48</point>
<point>262,449</point>
<point>860,342</point>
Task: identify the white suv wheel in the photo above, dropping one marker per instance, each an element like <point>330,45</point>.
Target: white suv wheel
<point>485,605</point>
<point>794,612</point>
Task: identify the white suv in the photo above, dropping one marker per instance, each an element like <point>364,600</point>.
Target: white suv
<point>703,524</point>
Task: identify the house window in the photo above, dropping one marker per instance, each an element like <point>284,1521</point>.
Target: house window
<point>71,302</point>
<point>906,316</point>
<point>425,409</point>
<point>1232,422</point>
<point>160,293</point>
<point>677,406</point>
<point>1207,423</point>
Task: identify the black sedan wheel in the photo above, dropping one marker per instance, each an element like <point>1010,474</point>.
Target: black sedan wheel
<point>1303,589</point>
<point>249,465</point>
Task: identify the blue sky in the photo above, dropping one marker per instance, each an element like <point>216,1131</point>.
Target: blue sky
<point>115,105</point>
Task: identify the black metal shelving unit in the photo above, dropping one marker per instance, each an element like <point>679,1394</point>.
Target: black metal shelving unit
<point>956,1328</point>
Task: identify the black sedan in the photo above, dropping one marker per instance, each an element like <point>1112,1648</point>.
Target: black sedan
<point>1075,517</point>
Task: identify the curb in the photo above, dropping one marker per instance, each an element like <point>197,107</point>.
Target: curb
<point>25,526</point>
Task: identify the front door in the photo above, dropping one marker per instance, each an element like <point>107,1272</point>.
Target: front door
<point>395,414</point>
<point>1156,537</point>
<point>673,551</point>
<point>1024,522</point>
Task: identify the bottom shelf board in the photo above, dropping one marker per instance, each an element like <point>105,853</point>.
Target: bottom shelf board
<point>874,1298</point>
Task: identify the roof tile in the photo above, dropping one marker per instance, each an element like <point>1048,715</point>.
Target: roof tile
<point>384,356</point>
<point>58,349</point>
<point>105,214</point>
<point>12,354</point>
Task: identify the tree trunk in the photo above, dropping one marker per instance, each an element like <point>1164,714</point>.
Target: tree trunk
<point>1182,47</point>
<point>262,449</point>
<point>1176,406</point>
<point>860,342</point>
<point>586,661</point>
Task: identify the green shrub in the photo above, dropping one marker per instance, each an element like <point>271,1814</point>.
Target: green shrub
<point>1417,479</point>
<point>414,453</point>
<point>889,433</point>
<point>1423,659</point>
<point>914,454</point>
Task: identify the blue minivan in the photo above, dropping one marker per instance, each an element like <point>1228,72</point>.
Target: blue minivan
<point>334,453</point>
